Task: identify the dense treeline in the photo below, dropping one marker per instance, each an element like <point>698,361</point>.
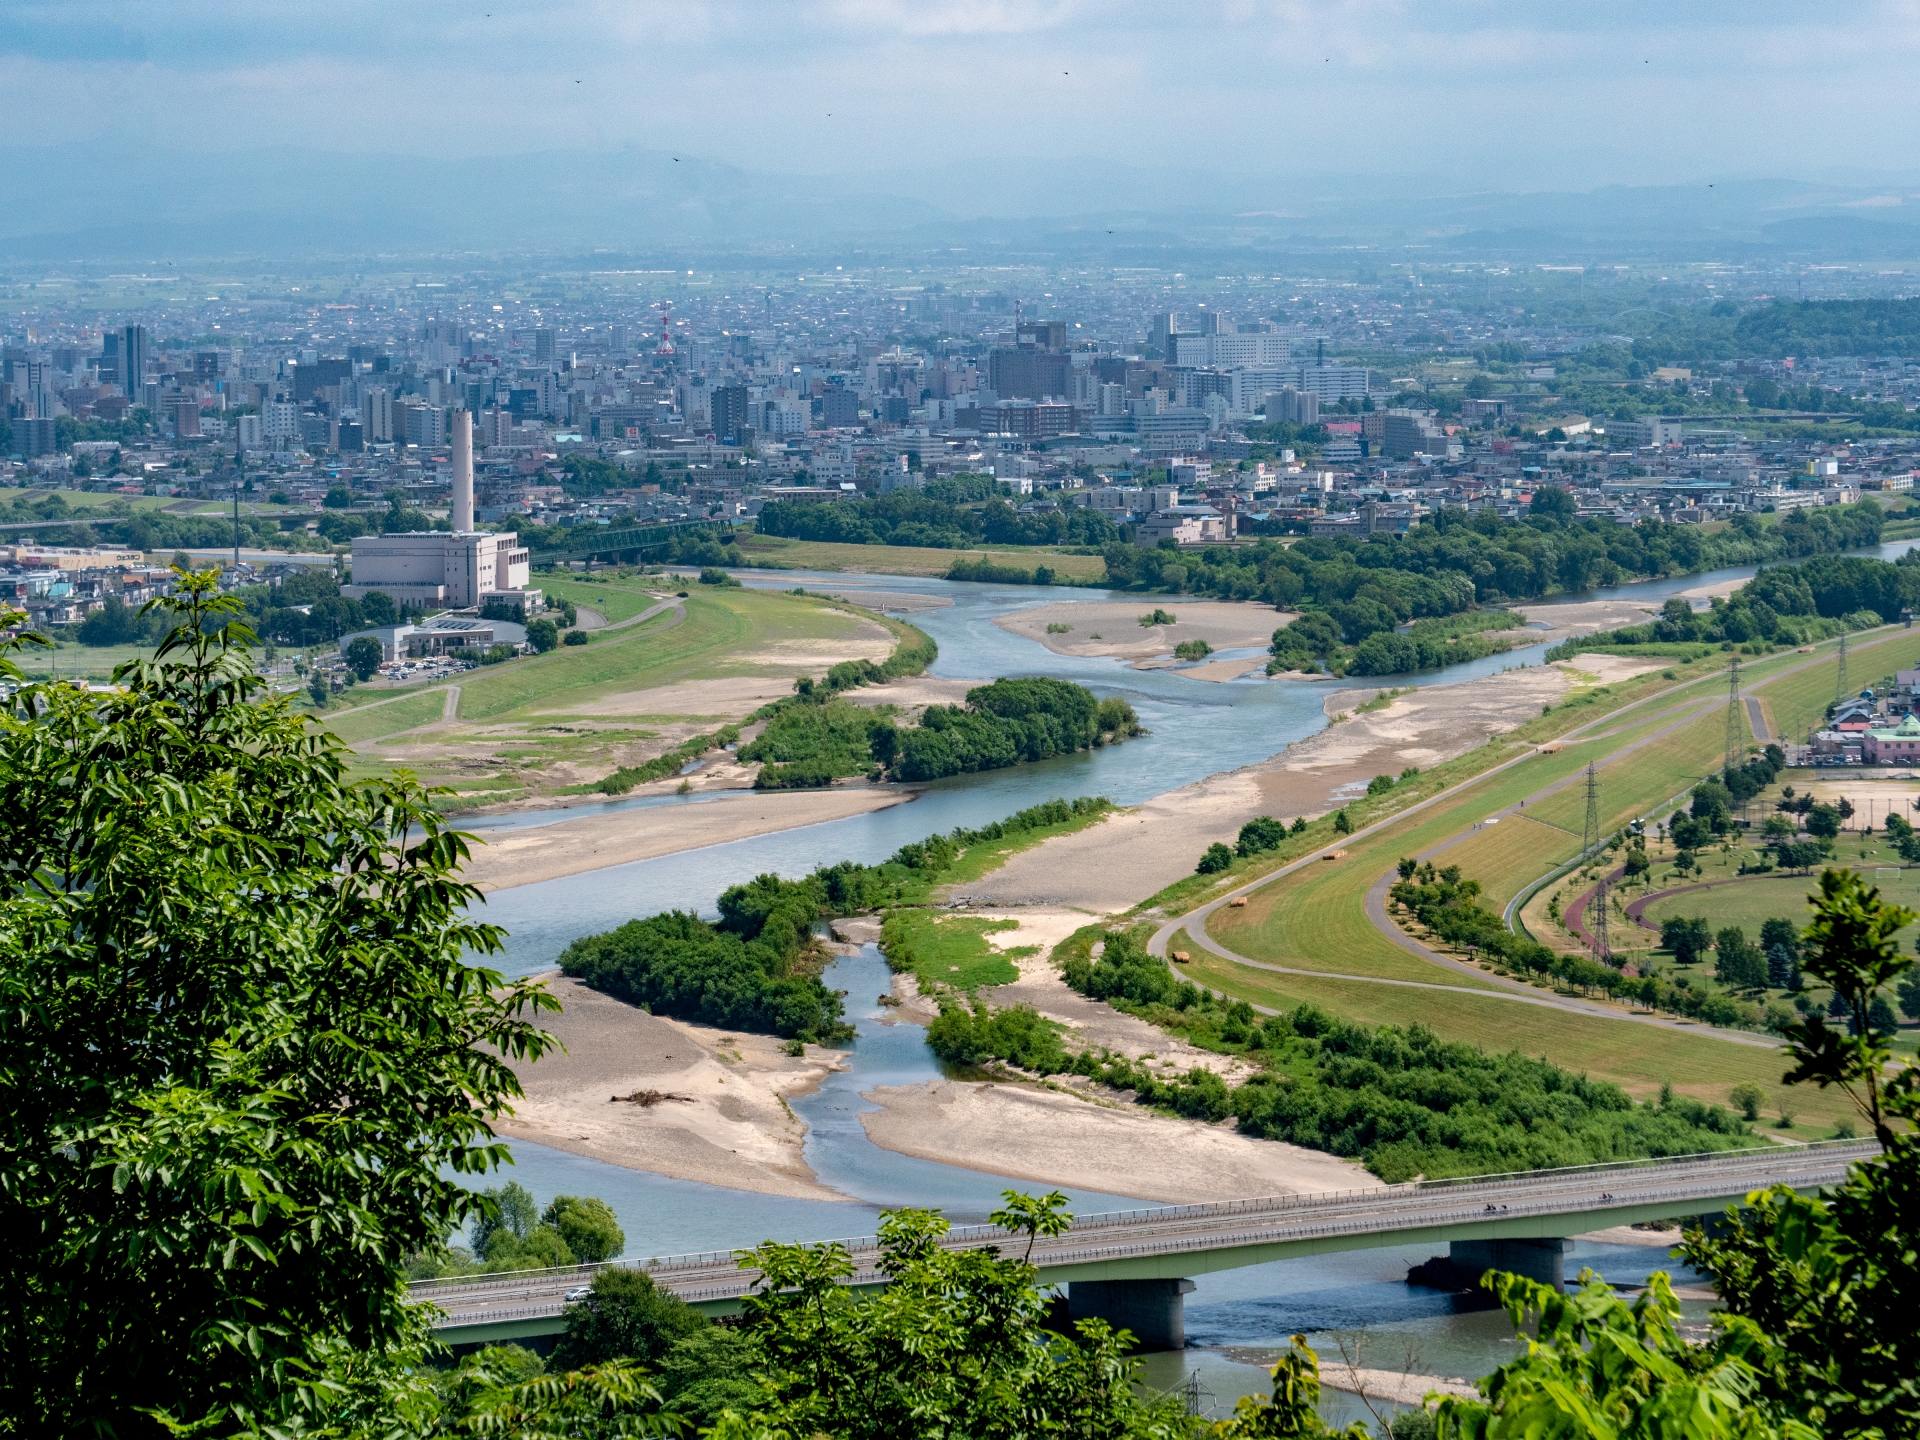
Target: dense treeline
<point>1455,560</point>
<point>936,517</point>
<point>1403,1101</point>
<point>1781,605</point>
<point>1001,724</point>
<point>758,967</point>
<point>1315,641</point>
<point>304,609</point>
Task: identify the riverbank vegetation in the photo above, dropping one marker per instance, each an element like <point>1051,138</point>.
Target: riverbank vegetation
<point>1782,605</point>
<point>758,967</point>
<point>229,1011</point>
<point>1399,1099</point>
<point>1455,559</point>
<point>813,740</point>
<point>1323,640</point>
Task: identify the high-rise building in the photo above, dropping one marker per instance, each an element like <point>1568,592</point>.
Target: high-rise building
<point>617,339</point>
<point>543,343</point>
<point>311,377</point>
<point>251,432</point>
<point>426,426</point>
<point>185,414</point>
<point>133,361</point>
<point>279,421</point>
<point>1289,406</point>
<point>727,410</point>
<point>1160,334</point>
<point>35,435</point>
<point>839,406</point>
<point>376,415</point>
<point>1046,334</point>
<point>109,359</point>
<point>1027,373</point>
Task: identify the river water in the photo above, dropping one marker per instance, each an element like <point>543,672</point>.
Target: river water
<point>1358,1300</point>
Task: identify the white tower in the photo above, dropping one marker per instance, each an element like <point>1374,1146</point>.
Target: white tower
<point>462,471</point>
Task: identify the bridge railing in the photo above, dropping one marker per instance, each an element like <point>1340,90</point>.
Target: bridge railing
<point>1376,1202</point>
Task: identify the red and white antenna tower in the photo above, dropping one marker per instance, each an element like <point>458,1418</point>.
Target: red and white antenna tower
<point>665,346</point>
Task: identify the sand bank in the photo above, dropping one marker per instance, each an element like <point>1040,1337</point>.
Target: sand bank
<point>1112,627</point>
<point>1131,854</point>
<point>733,1129</point>
<point>1054,1139</point>
<point>593,842</point>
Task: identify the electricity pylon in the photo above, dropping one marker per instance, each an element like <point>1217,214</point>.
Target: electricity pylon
<point>1736,739</point>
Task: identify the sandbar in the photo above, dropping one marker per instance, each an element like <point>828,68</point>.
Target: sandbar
<point>1223,624</point>
<point>1050,1138</point>
<point>733,1129</point>
<point>1131,854</point>
<point>593,842</point>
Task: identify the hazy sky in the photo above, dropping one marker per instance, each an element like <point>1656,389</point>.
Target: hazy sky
<point>1497,93</point>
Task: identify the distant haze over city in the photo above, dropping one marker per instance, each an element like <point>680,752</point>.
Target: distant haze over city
<point>195,129</point>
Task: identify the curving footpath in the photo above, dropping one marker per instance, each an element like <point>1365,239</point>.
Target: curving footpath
<point>1685,712</point>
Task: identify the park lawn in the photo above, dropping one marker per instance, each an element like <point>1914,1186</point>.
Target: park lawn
<point>1316,918</point>
<point>617,599</point>
<point>97,500</point>
<point>1799,702</point>
<point>951,951</point>
<point>1634,784</point>
<point>1757,898</point>
<point>74,661</point>
<point>1698,1065</point>
<point>911,559</point>
<point>1501,856</point>
<point>636,658</point>
<point>369,722</point>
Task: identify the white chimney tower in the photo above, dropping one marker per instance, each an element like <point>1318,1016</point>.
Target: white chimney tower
<point>462,471</point>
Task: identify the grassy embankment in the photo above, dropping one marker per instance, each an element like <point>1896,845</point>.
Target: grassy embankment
<point>1316,920</point>
<point>953,952</point>
<point>779,551</point>
<point>554,723</point>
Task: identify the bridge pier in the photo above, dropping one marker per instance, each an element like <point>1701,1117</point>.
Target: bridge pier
<point>1154,1310</point>
<point>1540,1260</point>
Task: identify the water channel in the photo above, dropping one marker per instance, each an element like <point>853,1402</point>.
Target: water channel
<point>1236,1320</point>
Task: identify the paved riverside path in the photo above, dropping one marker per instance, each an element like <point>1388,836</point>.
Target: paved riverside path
<point>1172,1242</point>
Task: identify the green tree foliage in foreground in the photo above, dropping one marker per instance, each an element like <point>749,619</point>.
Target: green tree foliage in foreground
<point>1832,1284</point>
<point>242,1051</point>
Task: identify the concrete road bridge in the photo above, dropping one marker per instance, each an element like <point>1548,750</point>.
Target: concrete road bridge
<point>1132,1267</point>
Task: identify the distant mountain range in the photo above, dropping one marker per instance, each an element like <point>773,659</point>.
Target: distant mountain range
<point>97,203</point>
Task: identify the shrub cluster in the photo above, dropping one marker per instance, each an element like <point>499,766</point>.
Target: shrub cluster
<point>756,970</point>
<point>1402,1100</point>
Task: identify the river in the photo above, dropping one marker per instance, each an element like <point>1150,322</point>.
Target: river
<point>1357,1299</point>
